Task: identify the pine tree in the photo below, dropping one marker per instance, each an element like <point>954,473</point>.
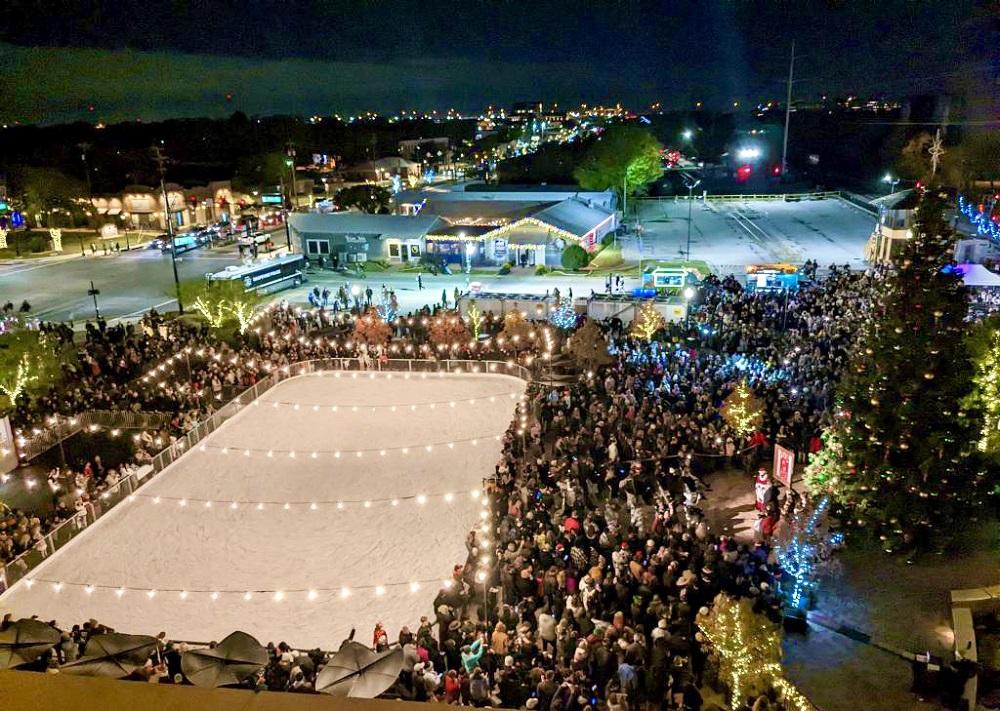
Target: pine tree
<point>903,432</point>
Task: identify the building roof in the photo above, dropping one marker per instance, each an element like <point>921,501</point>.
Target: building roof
<point>412,197</point>
<point>574,216</point>
<point>902,200</point>
<point>343,223</point>
<point>395,163</point>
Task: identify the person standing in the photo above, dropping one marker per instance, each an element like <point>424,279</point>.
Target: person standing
<point>420,281</point>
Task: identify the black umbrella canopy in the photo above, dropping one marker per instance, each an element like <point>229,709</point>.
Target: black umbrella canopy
<point>359,672</point>
<point>25,641</point>
<point>112,654</point>
<point>234,659</point>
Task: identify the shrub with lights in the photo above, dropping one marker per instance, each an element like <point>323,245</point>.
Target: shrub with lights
<point>742,410</point>
<point>746,647</point>
<point>648,322</point>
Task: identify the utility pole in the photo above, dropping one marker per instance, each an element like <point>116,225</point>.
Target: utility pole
<point>84,147</point>
<point>290,162</point>
<point>788,113</point>
<point>161,161</point>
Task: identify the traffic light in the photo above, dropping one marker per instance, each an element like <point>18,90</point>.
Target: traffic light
<point>776,170</point>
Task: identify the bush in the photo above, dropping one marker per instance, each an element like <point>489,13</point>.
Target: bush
<point>608,238</point>
<point>542,270</point>
<point>575,257</point>
<point>505,268</point>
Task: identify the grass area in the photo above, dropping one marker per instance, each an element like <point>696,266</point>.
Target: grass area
<point>610,256</point>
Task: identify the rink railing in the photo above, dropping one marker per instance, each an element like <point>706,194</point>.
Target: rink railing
<point>21,566</point>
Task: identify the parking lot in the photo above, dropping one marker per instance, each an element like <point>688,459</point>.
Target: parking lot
<point>730,235</point>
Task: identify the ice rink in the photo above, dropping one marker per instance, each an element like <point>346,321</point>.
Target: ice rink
<point>320,538</point>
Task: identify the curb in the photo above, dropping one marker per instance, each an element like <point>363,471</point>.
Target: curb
<point>859,636</point>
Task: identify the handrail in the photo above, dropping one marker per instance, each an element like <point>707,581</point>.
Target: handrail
<point>31,446</point>
<point>125,488</point>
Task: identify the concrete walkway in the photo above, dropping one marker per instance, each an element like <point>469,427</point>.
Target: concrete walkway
<point>885,610</point>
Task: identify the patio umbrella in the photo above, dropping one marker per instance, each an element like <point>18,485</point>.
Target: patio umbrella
<point>112,654</point>
<point>359,672</point>
<point>234,659</point>
<point>25,641</point>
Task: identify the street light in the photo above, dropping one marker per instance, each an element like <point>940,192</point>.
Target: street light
<point>690,184</point>
<point>356,293</point>
<point>688,134</point>
<point>893,182</point>
<point>688,295</point>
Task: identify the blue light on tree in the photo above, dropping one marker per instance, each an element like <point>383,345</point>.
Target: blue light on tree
<point>386,311</point>
<point>807,553</point>
<point>563,316</point>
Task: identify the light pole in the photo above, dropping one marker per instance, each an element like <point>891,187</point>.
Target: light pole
<point>690,184</point>
<point>161,161</point>
<point>893,182</point>
<point>688,295</point>
<point>125,227</point>
<point>94,292</point>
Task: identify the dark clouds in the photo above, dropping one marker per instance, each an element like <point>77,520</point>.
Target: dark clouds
<point>300,57</point>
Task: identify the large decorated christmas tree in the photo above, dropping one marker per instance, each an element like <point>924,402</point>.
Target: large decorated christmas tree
<point>896,461</point>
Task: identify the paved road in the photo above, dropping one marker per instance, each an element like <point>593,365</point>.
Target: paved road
<point>130,283</point>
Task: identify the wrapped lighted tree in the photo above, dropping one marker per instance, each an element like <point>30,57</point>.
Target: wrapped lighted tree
<point>29,364</point>
<point>746,646</point>
<point>387,309</point>
<point>447,331</point>
<point>805,547</point>
<point>902,467</point>
<point>370,329</point>
<point>476,319</point>
<point>984,347</point>
<point>588,347</point>
<point>648,322</point>
<point>518,333</point>
<point>563,315</point>
<point>223,301</point>
<point>742,410</point>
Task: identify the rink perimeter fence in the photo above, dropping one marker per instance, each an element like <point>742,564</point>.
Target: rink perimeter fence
<point>21,566</point>
<point>29,447</point>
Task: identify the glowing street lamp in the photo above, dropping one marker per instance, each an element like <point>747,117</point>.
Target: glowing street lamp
<point>687,134</point>
<point>689,293</point>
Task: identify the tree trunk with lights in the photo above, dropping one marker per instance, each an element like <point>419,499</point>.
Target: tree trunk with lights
<point>900,467</point>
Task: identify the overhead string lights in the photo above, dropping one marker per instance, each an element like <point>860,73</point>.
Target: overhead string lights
<point>341,453</point>
<point>313,504</point>
<point>430,404</point>
<point>221,593</point>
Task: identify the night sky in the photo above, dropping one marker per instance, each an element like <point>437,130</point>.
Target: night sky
<point>157,59</point>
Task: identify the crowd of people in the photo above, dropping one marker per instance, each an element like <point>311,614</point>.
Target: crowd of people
<point>604,559</point>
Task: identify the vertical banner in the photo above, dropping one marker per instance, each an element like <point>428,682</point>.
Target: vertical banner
<point>784,464</point>
<point>8,452</point>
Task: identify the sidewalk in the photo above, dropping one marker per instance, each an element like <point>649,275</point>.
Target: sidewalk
<point>883,608</point>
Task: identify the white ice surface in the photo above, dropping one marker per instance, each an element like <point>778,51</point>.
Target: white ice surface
<point>166,546</point>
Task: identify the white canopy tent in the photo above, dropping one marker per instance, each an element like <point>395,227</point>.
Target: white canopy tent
<point>976,275</point>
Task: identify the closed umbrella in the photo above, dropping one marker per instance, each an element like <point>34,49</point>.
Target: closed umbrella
<point>359,672</point>
<point>234,659</point>
<point>25,641</point>
<point>112,654</point>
